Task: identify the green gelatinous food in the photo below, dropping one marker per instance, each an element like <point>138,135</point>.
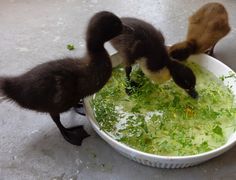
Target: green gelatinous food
<point>163,119</point>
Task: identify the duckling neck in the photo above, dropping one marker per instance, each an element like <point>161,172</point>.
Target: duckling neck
<point>98,70</point>
<point>95,45</point>
<point>192,45</point>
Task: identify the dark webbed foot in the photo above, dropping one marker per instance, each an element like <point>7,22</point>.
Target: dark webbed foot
<point>74,135</point>
<point>79,108</point>
<point>128,70</point>
<point>132,87</point>
<point>210,51</point>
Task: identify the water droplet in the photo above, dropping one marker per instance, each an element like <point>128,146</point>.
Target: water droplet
<point>78,162</point>
<point>34,131</point>
<point>94,1</point>
<point>22,49</point>
<point>14,157</point>
<point>58,177</point>
<point>81,44</point>
<point>56,38</point>
<point>80,165</point>
<point>74,177</point>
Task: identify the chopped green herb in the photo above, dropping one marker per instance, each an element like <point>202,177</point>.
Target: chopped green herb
<point>218,130</point>
<point>222,78</point>
<point>70,47</point>
<point>231,75</point>
<point>204,147</point>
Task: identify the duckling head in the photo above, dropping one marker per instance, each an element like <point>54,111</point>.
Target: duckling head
<point>104,26</point>
<point>184,77</point>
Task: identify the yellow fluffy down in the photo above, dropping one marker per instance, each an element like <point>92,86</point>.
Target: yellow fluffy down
<point>159,77</point>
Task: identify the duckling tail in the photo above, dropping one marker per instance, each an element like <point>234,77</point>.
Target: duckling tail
<point>9,89</point>
<point>181,51</point>
<point>2,94</point>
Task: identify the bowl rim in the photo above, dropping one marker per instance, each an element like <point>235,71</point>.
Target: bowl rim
<point>131,150</point>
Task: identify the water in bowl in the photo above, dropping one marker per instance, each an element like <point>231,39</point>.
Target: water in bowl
<point>163,119</point>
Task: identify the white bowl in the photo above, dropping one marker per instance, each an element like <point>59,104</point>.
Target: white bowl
<point>211,64</point>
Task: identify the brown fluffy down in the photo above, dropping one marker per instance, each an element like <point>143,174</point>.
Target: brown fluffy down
<point>206,27</point>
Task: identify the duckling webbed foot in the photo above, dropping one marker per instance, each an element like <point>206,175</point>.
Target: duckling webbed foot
<point>128,70</point>
<point>210,51</point>
<point>74,135</point>
<point>79,108</point>
<point>131,87</point>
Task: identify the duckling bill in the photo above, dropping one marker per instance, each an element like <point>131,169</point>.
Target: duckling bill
<point>54,87</point>
<point>206,27</point>
<point>145,45</point>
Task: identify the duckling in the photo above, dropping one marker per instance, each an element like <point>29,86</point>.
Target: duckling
<point>145,45</point>
<point>206,27</point>
<point>54,87</point>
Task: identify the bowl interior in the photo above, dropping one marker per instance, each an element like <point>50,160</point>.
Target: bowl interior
<point>212,65</point>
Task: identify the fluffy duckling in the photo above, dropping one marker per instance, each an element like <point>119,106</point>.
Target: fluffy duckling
<point>206,27</point>
<point>54,87</point>
<point>146,46</point>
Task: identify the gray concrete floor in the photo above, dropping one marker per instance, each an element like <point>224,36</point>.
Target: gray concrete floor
<point>33,32</point>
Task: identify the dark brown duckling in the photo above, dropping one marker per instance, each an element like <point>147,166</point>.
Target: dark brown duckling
<point>145,45</point>
<point>206,27</point>
<point>54,87</point>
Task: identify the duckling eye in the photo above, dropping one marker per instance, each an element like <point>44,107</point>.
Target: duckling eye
<point>186,82</point>
<point>116,24</point>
